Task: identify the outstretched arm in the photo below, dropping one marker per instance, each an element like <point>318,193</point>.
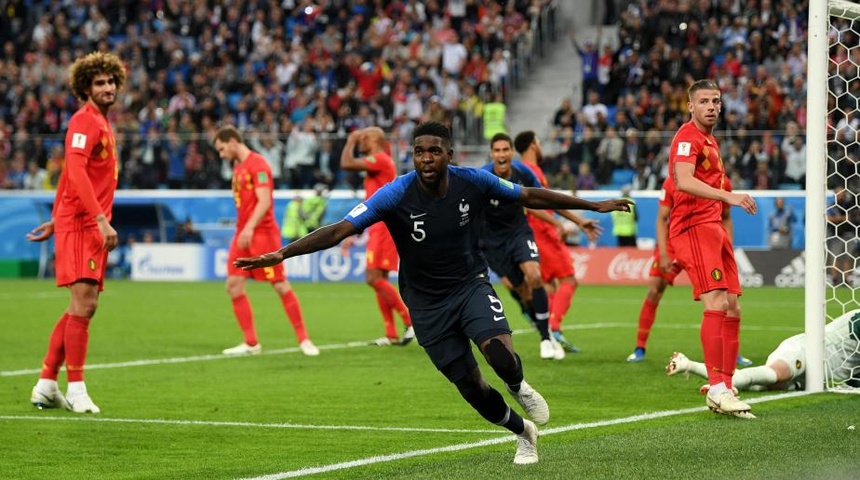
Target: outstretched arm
<point>542,198</point>
<point>320,239</point>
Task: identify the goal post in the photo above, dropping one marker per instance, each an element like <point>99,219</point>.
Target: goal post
<point>833,100</point>
<point>816,188</point>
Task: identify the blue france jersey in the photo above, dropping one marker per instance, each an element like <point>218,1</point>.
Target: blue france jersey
<point>437,239</point>
<point>504,218</point>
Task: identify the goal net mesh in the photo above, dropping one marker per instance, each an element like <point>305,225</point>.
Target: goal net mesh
<point>842,268</point>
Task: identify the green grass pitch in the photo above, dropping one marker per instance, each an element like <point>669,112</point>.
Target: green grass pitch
<point>174,408</point>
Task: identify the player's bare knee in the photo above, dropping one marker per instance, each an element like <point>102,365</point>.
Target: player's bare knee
<point>282,287</point>
<point>372,276</point>
<point>235,287</point>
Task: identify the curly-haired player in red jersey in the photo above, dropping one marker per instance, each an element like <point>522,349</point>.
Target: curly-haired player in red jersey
<point>80,223</point>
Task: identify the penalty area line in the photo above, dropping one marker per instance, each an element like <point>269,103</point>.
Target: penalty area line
<point>204,423</point>
<point>340,346</point>
<point>497,441</point>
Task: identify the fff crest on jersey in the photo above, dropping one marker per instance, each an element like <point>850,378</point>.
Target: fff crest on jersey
<point>464,212</point>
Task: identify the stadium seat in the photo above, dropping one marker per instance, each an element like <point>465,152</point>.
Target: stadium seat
<point>622,177</point>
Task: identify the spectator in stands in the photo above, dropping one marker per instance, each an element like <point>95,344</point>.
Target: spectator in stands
<point>762,178</point>
<point>17,173</point>
<point>585,180</point>
<point>781,224</point>
<point>795,162</point>
<point>300,160</point>
<point>186,233</point>
<point>590,56</point>
<point>593,109</point>
<point>610,155</point>
<point>36,178</point>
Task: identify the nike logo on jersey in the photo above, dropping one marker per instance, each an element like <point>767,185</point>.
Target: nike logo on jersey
<point>498,317</point>
<point>413,216</point>
<point>533,255</point>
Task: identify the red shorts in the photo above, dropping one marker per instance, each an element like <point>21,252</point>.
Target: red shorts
<point>555,260</point>
<point>706,253</point>
<point>80,255</point>
<point>656,271</point>
<point>264,241</point>
<point>381,252</point>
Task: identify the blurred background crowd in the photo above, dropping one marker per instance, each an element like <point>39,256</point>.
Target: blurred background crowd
<point>298,76</point>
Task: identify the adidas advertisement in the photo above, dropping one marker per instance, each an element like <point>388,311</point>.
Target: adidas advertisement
<point>782,268</point>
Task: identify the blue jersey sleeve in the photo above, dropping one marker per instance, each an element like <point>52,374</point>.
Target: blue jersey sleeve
<point>488,183</point>
<point>529,177</point>
<point>379,204</point>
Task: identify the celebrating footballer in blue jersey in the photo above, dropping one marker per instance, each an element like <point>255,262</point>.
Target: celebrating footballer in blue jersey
<point>434,215</point>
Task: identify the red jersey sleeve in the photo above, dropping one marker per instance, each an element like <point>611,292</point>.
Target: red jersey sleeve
<point>373,164</point>
<point>261,173</point>
<point>686,148</point>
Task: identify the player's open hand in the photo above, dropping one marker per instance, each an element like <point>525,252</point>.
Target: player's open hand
<point>616,205</point>
<point>592,228</point>
<point>744,201</point>
<point>42,232</point>
<point>261,261</point>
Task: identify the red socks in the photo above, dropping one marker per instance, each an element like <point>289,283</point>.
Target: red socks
<point>731,347</point>
<point>245,317</point>
<point>646,321</point>
<point>56,350</point>
<point>76,339</point>
<point>711,335</point>
<point>294,311</point>
<point>389,294</point>
<point>387,316</point>
<point>560,304</point>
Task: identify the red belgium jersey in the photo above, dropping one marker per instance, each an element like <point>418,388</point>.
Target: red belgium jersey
<point>248,175</point>
<point>691,145</point>
<point>88,182</point>
<point>539,226</point>
<point>380,170</point>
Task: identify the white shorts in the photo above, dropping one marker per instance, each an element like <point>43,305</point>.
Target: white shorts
<point>792,351</point>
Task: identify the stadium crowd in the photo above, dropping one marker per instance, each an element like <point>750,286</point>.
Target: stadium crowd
<point>634,91</point>
<point>298,76</point>
<point>291,73</point>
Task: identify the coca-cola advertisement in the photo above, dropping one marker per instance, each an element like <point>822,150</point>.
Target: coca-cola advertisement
<point>630,266</point>
<point>615,266</point>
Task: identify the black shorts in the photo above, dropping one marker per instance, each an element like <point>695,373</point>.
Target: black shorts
<point>505,259</point>
<point>474,313</point>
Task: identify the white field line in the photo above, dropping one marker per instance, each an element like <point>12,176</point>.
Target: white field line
<point>202,423</point>
<point>339,346</point>
<point>496,441</point>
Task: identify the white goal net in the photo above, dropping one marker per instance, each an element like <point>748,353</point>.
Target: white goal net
<point>841,268</point>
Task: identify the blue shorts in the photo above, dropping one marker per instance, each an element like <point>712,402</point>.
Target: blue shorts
<point>474,313</point>
<point>505,259</point>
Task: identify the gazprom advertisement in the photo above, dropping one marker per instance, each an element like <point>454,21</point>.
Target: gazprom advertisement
<point>189,262</point>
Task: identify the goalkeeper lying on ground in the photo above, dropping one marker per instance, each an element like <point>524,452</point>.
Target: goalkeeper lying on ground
<point>786,366</point>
